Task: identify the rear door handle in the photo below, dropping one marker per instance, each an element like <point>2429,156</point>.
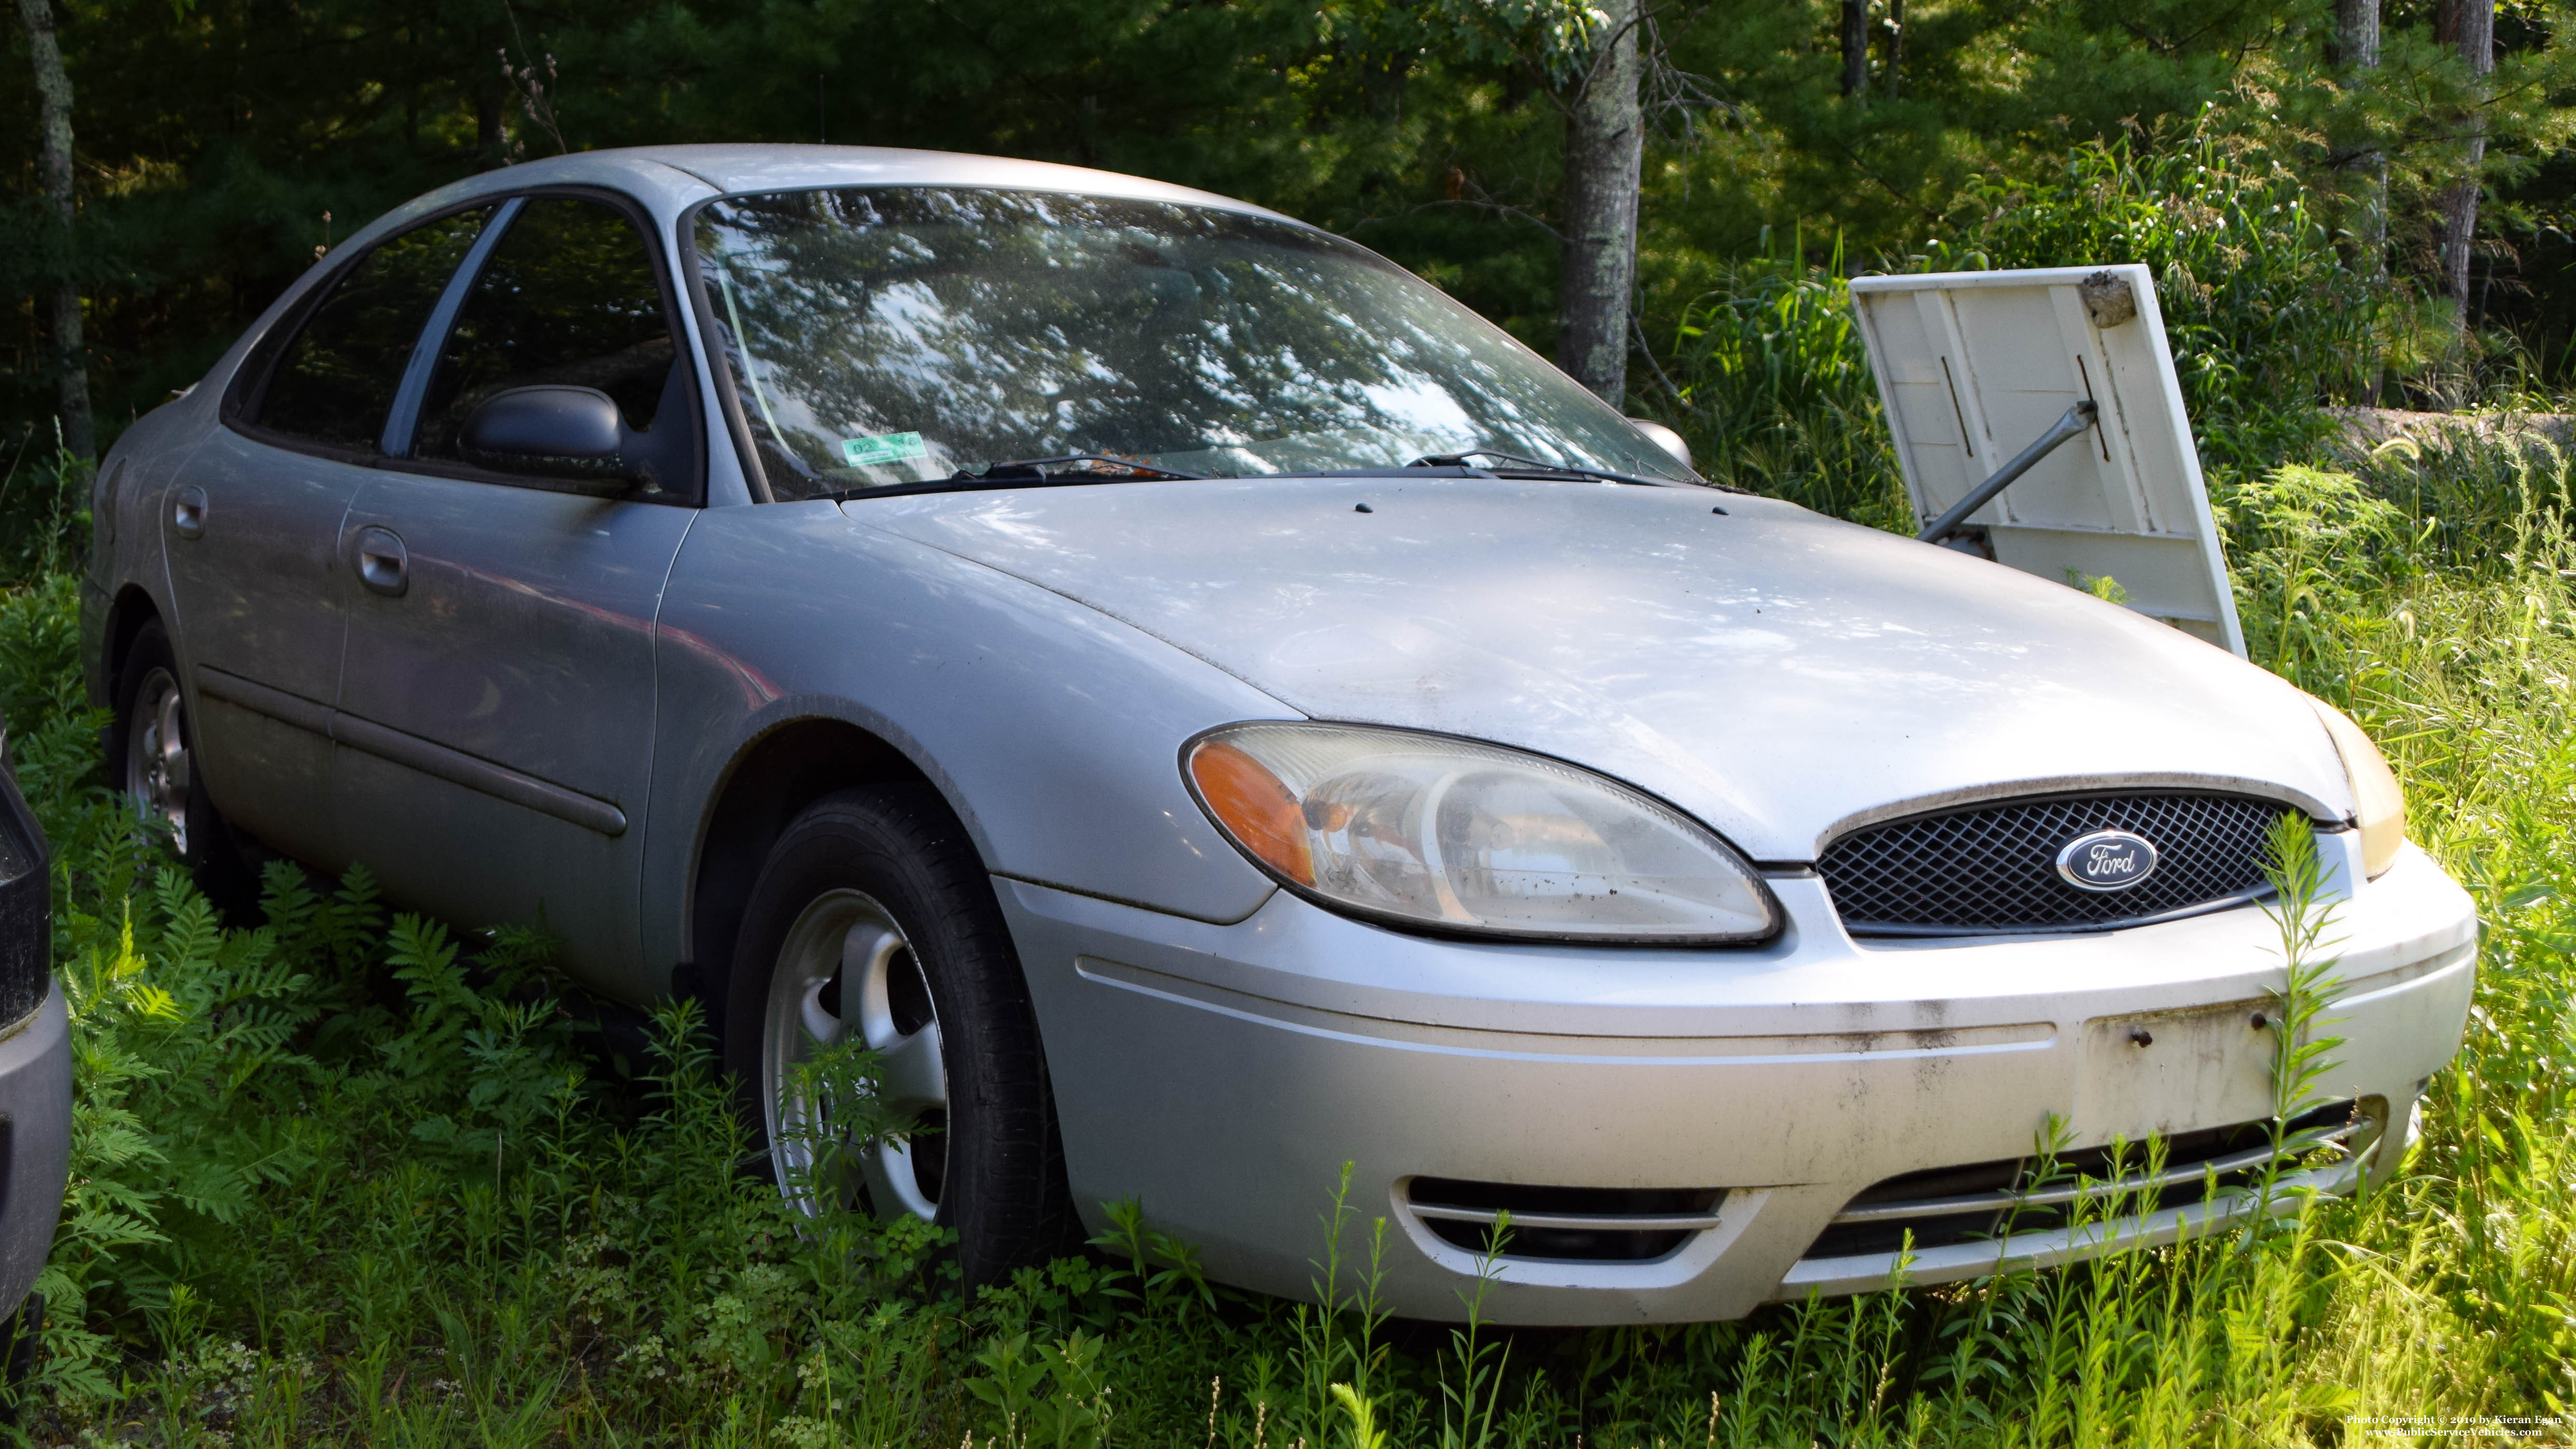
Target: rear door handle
<point>188,511</point>
<point>383,565</point>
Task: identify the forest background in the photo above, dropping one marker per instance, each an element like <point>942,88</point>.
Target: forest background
<point>217,145</point>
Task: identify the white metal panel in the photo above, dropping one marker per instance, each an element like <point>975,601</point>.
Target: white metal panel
<point>1973,366</point>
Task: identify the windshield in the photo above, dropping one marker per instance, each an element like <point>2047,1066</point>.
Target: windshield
<point>881,337</point>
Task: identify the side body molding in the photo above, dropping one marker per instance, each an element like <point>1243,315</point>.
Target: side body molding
<point>454,766</point>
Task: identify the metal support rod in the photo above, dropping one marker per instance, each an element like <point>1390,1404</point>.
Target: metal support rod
<point>2077,419</point>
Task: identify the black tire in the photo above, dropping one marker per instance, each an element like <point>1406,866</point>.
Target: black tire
<point>205,841</point>
<point>1000,1185</point>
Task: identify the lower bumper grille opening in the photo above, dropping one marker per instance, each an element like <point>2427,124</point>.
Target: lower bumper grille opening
<point>1564,1224</point>
<point>1981,1201</point>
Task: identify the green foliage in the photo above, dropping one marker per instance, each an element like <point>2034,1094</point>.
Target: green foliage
<point>2264,317</point>
<point>2302,1054</point>
<point>2308,549</point>
<point>44,509</point>
<point>1055,1396</point>
<point>1775,392</point>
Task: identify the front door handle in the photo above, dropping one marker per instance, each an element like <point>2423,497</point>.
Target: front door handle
<point>188,511</point>
<point>382,564</point>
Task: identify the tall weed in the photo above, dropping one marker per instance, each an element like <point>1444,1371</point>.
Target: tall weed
<point>1776,393</point>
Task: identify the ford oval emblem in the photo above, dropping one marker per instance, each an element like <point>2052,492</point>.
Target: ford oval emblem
<point>2106,860</point>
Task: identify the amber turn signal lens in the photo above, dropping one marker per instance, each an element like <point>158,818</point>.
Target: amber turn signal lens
<point>1255,807</point>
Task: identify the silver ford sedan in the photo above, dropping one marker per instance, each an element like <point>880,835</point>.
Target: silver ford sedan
<point>1222,726</point>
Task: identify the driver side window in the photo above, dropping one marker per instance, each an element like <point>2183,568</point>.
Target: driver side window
<point>568,297</point>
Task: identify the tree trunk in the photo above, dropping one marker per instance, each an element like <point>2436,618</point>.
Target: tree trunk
<point>2469,24</point>
<point>2354,54</point>
<point>2356,35</point>
<point>1382,84</point>
<point>54,174</point>
<point>1604,146</point>
<point>1893,72</point>
<point>1855,48</point>
<point>2357,56</point>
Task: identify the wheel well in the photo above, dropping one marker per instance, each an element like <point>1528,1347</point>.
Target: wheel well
<point>776,775</point>
<point>125,618</point>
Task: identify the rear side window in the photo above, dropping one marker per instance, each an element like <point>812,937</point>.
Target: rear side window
<point>336,381</point>
<point>569,296</point>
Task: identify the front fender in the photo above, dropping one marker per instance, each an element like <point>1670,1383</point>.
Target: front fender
<point>1053,731</point>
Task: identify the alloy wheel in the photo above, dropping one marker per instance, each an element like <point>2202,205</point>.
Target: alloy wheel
<point>845,971</point>
<point>158,773</point>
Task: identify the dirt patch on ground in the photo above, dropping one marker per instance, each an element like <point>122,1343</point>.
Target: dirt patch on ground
<point>2367,428</point>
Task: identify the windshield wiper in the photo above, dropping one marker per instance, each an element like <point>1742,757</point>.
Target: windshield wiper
<point>1514,466</point>
<point>1089,465</point>
<point>1031,473</point>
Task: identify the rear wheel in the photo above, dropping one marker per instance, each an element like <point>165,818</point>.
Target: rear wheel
<point>873,922</point>
<point>152,750</point>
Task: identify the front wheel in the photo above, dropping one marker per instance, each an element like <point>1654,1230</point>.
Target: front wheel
<point>873,923</point>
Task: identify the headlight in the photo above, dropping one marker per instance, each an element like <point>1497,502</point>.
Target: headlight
<point>2378,804</point>
<point>1426,830</point>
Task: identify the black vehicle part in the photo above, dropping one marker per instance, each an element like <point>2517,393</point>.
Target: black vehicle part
<point>1089,465</point>
<point>26,906</point>
<point>1990,868</point>
<point>1513,465</point>
<point>1563,1224</point>
<point>1003,1190</point>
<point>1068,470</point>
<point>1941,1207</point>
<point>554,429</point>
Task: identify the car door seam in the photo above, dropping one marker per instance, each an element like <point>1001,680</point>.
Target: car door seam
<point>653,743</point>
<point>339,587</point>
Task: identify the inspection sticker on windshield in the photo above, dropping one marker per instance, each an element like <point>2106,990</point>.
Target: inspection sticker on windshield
<point>884,448</point>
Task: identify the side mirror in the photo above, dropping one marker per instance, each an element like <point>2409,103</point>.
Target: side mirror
<point>558,431</point>
<point>1664,438</point>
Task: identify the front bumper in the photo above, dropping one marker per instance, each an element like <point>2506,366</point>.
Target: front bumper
<point>35,1142</point>
<point>1224,1075</point>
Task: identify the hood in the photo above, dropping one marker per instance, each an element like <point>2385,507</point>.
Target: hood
<point>1780,675</point>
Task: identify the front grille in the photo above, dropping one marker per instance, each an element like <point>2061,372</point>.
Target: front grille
<point>1985,1200</point>
<point>1562,1224</point>
<point>1994,867</point>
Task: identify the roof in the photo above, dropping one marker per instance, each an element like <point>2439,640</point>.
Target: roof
<point>738,168</point>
